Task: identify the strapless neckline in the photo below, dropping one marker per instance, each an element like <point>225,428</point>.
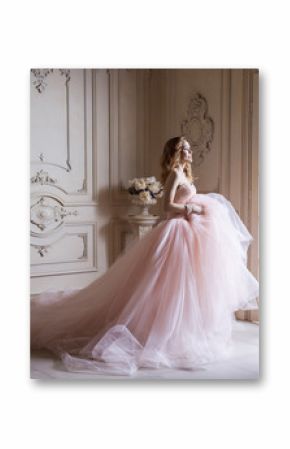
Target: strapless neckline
<point>184,184</point>
<point>187,185</point>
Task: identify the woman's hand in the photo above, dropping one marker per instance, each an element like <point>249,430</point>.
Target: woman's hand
<point>197,209</point>
<point>194,209</point>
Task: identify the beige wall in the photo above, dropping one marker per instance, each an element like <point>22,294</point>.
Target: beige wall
<point>116,123</point>
<point>231,166</point>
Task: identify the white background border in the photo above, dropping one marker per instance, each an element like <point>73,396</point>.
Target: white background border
<point>209,34</point>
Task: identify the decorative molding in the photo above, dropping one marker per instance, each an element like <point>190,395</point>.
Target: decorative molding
<point>115,185</point>
<point>66,167</point>
<point>225,142</point>
<point>198,127</point>
<point>87,261</point>
<point>94,134</point>
<point>87,183</point>
<point>84,186</point>
<point>142,121</point>
<point>118,188</point>
<point>118,192</point>
<point>85,246</point>
<point>41,74</point>
<point>66,74</point>
<point>41,249</point>
<point>64,179</point>
<point>42,178</point>
<point>48,214</point>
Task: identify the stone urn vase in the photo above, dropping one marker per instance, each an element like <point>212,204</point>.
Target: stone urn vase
<point>143,206</point>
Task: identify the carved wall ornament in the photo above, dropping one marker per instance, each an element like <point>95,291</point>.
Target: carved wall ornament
<point>42,177</point>
<point>47,214</point>
<point>66,74</point>
<point>84,186</point>
<point>40,75</point>
<point>84,237</point>
<point>198,128</point>
<point>42,250</point>
<point>67,167</point>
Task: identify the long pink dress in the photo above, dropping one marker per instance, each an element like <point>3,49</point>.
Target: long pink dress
<point>168,301</point>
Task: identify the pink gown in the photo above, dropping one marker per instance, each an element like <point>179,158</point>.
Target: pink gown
<point>168,301</point>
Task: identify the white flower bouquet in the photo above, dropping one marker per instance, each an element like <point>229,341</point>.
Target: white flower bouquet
<point>145,191</point>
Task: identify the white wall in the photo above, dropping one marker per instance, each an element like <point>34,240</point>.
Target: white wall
<point>87,140</point>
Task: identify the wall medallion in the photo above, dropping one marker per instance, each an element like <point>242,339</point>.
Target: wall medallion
<point>198,128</point>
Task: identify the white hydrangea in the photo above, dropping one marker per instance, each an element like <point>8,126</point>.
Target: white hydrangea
<point>149,189</point>
<point>155,187</point>
<point>140,184</point>
<point>145,197</point>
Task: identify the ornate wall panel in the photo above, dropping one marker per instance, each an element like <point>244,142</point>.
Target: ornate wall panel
<point>61,132</point>
<point>73,251</point>
<point>63,184</point>
<point>89,135</point>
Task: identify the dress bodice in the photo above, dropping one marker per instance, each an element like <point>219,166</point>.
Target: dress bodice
<point>183,192</point>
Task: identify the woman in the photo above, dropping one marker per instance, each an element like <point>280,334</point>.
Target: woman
<point>169,300</point>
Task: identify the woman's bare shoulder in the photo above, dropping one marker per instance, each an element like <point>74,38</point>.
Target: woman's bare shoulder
<point>171,177</point>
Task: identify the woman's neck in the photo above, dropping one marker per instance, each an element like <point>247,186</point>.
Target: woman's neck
<point>181,167</point>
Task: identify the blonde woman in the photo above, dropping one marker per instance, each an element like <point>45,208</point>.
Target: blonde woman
<point>169,301</point>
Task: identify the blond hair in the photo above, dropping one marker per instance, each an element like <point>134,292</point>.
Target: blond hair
<point>171,157</point>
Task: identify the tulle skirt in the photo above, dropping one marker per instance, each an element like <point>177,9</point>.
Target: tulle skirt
<point>168,301</point>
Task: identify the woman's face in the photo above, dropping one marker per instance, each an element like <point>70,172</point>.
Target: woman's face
<point>186,152</point>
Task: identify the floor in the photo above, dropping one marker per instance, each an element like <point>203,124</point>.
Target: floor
<point>242,365</point>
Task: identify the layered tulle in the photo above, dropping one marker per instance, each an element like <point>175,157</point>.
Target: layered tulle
<point>168,301</point>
